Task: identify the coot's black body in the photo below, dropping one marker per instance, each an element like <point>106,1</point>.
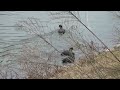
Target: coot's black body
<point>61,31</point>
<point>70,54</point>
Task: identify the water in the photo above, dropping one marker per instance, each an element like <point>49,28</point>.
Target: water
<point>100,22</point>
<point>14,43</point>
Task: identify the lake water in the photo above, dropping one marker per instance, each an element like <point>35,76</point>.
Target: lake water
<point>100,22</point>
<point>20,45</point>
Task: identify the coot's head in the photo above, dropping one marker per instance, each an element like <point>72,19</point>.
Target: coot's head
<point>60,26</point>
<point>71,49</point>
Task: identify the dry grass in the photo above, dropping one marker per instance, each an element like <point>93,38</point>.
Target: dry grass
<point>104,66</point>
<point>35,66</point>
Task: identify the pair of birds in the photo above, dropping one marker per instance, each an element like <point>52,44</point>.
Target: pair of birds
<point>69,53</point>
<point>70,56</point>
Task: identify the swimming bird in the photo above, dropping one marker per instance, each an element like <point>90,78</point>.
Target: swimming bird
<point>61,31</point>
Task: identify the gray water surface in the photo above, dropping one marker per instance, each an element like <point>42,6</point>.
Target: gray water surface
<point>100,22</point>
